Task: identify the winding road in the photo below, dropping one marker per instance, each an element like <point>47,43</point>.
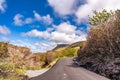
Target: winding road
<point>64,69</point>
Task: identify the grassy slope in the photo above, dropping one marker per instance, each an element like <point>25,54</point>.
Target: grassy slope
<point>38,59</point>
<point>66,51</point>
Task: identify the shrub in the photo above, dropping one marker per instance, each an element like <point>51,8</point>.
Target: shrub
<point>8,71</point>
<point>103,47</point>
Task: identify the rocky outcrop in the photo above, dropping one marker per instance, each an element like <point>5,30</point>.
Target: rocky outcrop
<point>15,50</point>
<point>10,50</point>
<point>21,56</point>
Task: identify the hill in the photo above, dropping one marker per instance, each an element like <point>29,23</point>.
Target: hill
<point>73,45</point>
<point>22,58</point>
<point>60,46</point>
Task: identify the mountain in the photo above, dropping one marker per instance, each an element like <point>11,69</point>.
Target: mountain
<point>73,45</point>
<point>60,46</point>
<point>9,50</point>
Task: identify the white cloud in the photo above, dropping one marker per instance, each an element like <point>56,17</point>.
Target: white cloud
<point>3,5</point>
<point>5,39</point>
<point>37,16</point>
<point>50,29</point>
<point>64,38</point>
<point>28,20</point>
<point>86,9</point>
<point>20,20</point>
<point>66,28</point>
<point>4,30</point>
<point>62,7</point>
<point>67,7</point>
<point>45,19</point>
<point>42,46</point>
<point>35,46</point>
<point>63,33</point>
<point>36,33</point>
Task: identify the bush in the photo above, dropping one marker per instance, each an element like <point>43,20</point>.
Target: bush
<point>103,48</point>
<point>8,71</point>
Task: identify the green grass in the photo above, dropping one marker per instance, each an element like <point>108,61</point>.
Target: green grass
<point>52,63</point>
<point>8,71</point>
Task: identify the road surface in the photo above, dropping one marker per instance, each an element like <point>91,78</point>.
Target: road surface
<point>64,69</point>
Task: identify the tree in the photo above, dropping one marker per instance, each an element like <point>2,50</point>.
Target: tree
<point>99,17</point>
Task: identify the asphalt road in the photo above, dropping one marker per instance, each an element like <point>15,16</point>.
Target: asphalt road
<point>64,69</point>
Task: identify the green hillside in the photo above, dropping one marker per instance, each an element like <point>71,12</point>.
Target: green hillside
<point>14,60</point>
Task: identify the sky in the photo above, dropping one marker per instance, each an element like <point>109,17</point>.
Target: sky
<point>42,24</point>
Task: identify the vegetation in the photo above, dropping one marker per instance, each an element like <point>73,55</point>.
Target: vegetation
<point>102,49</point>
<point>11,64</point>
<point>69,52</point>
<point>3,50</point>
<point>100,17</point>
<point>8,71</point>
<point>65,51</point>
<point>15,60</point>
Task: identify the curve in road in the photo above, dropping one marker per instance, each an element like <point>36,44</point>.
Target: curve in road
<point>64,69</point>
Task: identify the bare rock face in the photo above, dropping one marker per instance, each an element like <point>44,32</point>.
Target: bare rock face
<point>9,50</point>
<point>15,50</point>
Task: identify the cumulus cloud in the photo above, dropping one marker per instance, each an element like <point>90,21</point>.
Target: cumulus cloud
<point>66,28</point>
<point>4,30</point>
<point>20,20</point>
<point>28,21</point>
<point>3,5</point>
<point>62,7</point>
<point>63,33</point>
<point>36,33</point>
<point>35,46</point>
<point>63,38</point>
<point>42,46</point>
<point>45,19</point>
<point>86,9</point>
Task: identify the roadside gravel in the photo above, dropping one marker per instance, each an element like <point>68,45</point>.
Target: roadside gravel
<point>34,73</point>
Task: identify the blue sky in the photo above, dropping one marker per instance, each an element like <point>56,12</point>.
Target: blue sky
<point>42,24</point>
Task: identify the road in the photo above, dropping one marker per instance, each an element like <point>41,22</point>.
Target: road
<point>64,69</point>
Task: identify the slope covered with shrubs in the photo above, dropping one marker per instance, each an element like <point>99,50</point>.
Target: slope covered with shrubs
<point>14,60</point>
<point>101,52</point>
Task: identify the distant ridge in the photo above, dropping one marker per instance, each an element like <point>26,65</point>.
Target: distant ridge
<point>73,45</point>
<point>76,44</point>
<point>60,46</point>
